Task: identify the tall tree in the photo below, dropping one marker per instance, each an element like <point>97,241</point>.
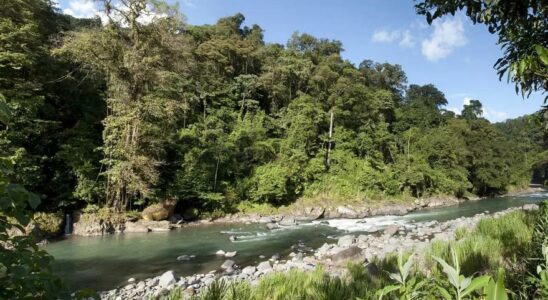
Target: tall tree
<point>135,51</point>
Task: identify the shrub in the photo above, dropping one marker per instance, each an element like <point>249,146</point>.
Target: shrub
<point>48,224</point>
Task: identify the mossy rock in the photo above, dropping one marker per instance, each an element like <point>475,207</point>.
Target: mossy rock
<point>47,224</point>
<point>159,211</point>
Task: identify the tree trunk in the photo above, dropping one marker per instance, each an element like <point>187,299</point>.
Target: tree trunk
<point>329,142</point>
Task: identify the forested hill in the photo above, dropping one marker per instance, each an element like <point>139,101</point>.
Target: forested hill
<point>134,112</point>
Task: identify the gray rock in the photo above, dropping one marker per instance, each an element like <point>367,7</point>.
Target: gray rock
<point>275,257</point>
<point>346,240</point>
<point>167,279</point>
<point>176,219</point>
<point>264,267</point>
<point>135,227</point>
<point>131,280</point>
<point>184,257</point>
<point>391,230</point>
<point>231,254</point>
<point>265,220</point>
<point>529,207</point>
<point>227,264</point>
<point>288,221</point>
<point>347,212</point>
<point>220,253</point>
<point>351,253</point>
<point>249,270</point>
<point>272,226</point>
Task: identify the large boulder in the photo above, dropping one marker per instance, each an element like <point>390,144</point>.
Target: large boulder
<point>288,221</point>
<point>390,230</point>
<point>264,267</point>
<point>352,253</point>
<point>135,227</point>
<point>346,240</point>
<point>45,225</point>
<point>100,222</point>
<point>310,213</point>
<point>159,211</point>
<point>228,264</point>
<point>167,279</point>
<point>347,212</point>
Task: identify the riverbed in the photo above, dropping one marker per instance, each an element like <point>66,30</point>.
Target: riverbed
<point>109,261</point>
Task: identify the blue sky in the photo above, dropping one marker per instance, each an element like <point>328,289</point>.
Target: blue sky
<point>453,54</point>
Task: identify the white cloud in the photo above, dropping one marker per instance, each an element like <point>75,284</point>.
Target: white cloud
<point>407,39</point>
<point>466,101</point>
<point>88,9</point>
<point>447,36</point>
<point>494,115</point>
<point>384,36</point>
<point>189,3</point>
<point>81,9</point>
<point>404,38</point>
<point>454,109</point>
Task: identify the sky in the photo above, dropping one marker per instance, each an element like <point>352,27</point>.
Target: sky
<point>453,54</point>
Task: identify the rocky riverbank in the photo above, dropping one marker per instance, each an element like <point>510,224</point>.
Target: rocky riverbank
<point>332,256</point>
<point>93,224</point>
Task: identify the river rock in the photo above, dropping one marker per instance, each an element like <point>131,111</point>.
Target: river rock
<point>347,212</point>
<point>220,253</point>
<point>351,253</point>
<point>231,254</point>
<point>249,270</point>
<point>135,227</point>
<point>131,280</point>
<point>391,230</point>
<point>265,220</point>
<point>185,257</point>
<point>159,211</point>
<point>275,257</point>
<point>264,267</point>
<point>176,219</point>
<point>288,221</point>
<point>310,213</point>
<point>529,207</point>
<point>156,226</point>
<point>227,264</point>
<point>346,240</point>
<point>272,226</point>
<point>167,279</point>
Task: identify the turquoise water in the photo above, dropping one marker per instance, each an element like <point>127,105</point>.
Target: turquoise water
<point>106,262</point>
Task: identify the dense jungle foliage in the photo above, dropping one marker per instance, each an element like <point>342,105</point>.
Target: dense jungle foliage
<point>145,108</point>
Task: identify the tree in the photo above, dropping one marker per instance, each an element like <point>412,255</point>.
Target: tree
<point>136,56</point>
<point>521,26</point>
<point>472,110</point>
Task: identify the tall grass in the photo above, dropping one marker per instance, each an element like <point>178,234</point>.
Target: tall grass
<point>488,247</point>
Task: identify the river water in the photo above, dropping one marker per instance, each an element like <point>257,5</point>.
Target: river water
<point>106,262</point>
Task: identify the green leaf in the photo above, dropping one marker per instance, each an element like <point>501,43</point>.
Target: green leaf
<point>542,54</point>
<point>476,284</point>
<point>445,293</point>
<point>451,273</point>
<point>496,290</point>
<point>33,200</point>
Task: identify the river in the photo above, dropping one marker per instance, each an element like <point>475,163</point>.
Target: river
<point>109,261</point>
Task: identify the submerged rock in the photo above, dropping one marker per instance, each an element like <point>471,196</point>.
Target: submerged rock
<point>227,264</point>
<point>231,254</point>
